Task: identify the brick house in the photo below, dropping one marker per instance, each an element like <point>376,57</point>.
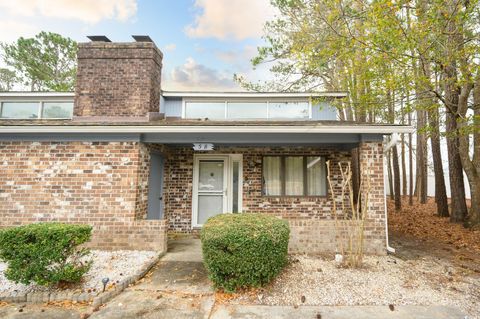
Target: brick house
<point>137,162</point>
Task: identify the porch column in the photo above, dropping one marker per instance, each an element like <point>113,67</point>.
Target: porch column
<point>371,166</point>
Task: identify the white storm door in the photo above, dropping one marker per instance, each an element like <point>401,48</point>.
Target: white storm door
<point>210,188</point>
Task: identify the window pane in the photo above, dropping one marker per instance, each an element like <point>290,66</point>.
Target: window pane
<point>58,110</point>
<point>208,206</point>
<point>271,176</point>
<point>20,110</point>
<point>288,110</point>
<point>316,176</point>
<point>294,175</point>
<point>240,110</point>
<point>210,110</point>
<point>210,176</point>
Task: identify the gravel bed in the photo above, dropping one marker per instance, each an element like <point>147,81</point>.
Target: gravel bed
<point>384,280</point>
<point>115,265</point>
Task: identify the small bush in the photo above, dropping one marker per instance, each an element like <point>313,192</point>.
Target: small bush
<point>45,253</point>
<point>243,250</point>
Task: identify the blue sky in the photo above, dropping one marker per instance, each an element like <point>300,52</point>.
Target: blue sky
<point>204,41</point>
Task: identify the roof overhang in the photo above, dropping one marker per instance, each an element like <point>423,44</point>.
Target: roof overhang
<point>187,94</point>
<point>314,129</point>
<point>193,94</point>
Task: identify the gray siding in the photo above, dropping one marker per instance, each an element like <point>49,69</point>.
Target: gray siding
<point>173,107</point>
<point>162,105</point>
<point>324,111</point>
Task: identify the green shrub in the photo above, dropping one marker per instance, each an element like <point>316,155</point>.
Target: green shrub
<point>45,253</point>
<point>244,250</point>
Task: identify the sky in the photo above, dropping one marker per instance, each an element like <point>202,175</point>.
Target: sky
<point>204,42</point>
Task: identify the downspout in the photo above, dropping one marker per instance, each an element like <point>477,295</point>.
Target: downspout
<point>393,141</point>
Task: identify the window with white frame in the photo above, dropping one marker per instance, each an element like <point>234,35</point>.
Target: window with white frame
<point>20,110</point>
<point>57,110</point>
<point>294,176</point>
<point>36,110</point>
<point>226,110</point>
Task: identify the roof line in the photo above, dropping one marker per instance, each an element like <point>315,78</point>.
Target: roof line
<point>330,129</point>
<point>190,94</point>
<point>36,94</point>
<point>251,94</point>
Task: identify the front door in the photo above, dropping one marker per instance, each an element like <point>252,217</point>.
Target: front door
<point>210,188</point>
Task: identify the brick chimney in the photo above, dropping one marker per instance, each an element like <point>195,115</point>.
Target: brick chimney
<point>118,81</point>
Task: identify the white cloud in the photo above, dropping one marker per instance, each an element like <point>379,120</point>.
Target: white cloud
<point>195,76</point>
<point>240,59</point>
<point>170,47</point>
<point>88,11</point>
<point>238,19</point>
<point>11,30</point>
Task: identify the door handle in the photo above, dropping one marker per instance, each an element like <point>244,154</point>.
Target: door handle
<point>160,198</point>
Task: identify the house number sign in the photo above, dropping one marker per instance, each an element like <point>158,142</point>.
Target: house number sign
<point>202,146</point>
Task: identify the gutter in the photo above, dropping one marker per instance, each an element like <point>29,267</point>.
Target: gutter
<point>393,142</point>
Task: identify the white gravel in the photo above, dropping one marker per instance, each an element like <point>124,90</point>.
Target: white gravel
<point>383,281</point>
<point>115,265</point>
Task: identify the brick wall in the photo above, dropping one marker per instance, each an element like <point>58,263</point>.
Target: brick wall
<point>311,219</point>
<point>117,81</point>
<point>179,178</point>
<point>104,184</point>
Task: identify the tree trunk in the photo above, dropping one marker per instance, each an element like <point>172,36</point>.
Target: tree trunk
<point>420,68</point>
<point>404,164</point>
<point>394,153</point>
<point>474,213</point>
<point>410,160</point>
<point>396,179</point>
<point>471,164</point>
<point>452,98</point>
<point>440,189</point>
<point>404,167</point>
<point>421,159</point>
<point>455,172</point>
<point>390,182</point>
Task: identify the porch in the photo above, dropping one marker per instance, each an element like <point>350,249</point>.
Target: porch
<point>284,179</point>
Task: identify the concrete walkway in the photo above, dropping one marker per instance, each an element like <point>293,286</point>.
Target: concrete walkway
<point>336,312</point>
<point>177,287</point>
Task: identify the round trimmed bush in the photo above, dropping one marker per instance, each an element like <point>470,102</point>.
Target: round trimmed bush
<point>244,250</point>
<point>45,253</point>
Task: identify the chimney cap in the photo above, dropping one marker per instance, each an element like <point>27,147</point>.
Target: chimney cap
<point>142,38</point>
<point>98,38</point>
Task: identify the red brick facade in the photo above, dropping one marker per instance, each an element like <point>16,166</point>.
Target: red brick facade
<point>104,184</point>
<point>117,81</point>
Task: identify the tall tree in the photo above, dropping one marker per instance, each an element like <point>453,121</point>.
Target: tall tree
<point>371,48</point>
<point>46,62</point>
<point>8,79</point>
<point>440,189</point>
